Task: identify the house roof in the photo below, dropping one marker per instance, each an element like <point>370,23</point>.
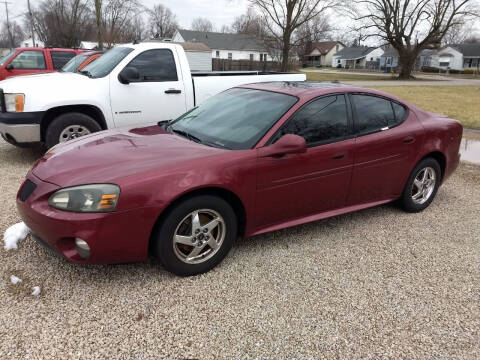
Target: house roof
<point>468,49</point>
<point>354,52</point>
<point>223,41</point>
<point>324,46</point>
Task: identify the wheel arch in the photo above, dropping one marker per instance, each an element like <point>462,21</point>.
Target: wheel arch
<point>440,157</point>
<point>91,110</point>
<point>227,195</point>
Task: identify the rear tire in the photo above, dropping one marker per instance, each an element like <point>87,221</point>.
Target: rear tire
<point>69,126</point>
<point>195,235</point>
<point>422,186</point>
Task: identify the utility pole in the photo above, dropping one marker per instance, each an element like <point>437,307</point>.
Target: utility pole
<point>8,23</point>
<point>32,27</point>
<point>98,15</point>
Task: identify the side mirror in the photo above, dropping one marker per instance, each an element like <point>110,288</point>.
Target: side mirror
<point>10,67</point>
<point>287,144</point>
<point>128,75</point>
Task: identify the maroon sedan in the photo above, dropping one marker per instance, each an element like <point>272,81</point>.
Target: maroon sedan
<point>250,160</point>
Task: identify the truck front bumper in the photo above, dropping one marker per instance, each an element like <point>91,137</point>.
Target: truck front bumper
<point>21,128</point>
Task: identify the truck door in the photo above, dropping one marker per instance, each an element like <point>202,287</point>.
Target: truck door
<point>26,62</point>
<point>158,94</point>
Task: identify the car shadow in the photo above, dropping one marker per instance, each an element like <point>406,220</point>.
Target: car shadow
<point>10,154</point>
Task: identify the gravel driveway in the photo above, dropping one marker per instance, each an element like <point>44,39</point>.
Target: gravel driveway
<point>378,283</point>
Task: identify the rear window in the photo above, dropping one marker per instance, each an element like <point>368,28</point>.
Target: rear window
<point>4,58</point>
<point>60,58</point>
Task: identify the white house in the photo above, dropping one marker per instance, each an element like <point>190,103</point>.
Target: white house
<point>226,46</point>
<point>450,58</point>
<point>321,53</point>
<point>357,57</point>
<point>29,43</point>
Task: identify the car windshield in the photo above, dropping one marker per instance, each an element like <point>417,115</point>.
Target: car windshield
<point>4,58</point>
<point>105,63</point>
<point>74,63</point>
<point>235,119</point>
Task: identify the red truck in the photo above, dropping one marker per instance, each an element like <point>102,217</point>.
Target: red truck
<point>33,60</point>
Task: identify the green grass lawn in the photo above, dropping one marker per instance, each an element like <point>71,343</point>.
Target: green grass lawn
<point>458,102</point>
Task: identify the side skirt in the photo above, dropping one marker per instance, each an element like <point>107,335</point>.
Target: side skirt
<point>319,216</point>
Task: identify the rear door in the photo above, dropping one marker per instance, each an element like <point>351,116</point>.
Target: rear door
<point>158,95</point>
<point>387,140</point>
<point>299,185</point>
<point>27,62</point>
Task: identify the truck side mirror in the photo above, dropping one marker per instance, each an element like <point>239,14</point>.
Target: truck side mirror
<point>10,67</point>
<point>128,75</point>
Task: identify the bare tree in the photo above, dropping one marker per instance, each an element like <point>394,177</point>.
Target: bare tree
<point>202,24</point>
<point>119,17</point>
<point>162,22</point>
<point>98,18</point>
<point>63,23</point>
<point>316,29</point>
<point>17,34</point>
<point>458,33</point>
<point>283,17</point>
<point>249,23</point>
<point>225,29</point>
<point>411,26</point>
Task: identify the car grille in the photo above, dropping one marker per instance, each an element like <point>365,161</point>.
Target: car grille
<point>26,190</point>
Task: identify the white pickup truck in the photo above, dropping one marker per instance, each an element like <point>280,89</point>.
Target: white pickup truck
<point>129,85</point>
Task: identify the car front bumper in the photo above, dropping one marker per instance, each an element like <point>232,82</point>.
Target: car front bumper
<point>18,128</point>
<point>115,237</point>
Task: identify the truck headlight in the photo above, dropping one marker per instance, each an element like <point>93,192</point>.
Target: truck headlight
<point>15,102</point>
<point>86,198</point>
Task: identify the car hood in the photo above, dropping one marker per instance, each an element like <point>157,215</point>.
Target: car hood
<point>20,83</point>
<point>115,155</point>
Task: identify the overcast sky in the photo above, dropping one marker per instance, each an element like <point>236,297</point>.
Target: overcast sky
<point>220,12</point>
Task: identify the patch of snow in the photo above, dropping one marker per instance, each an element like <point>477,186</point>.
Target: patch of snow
<point>14,234</point>
<point>36,290</point>
<point>15,280</point>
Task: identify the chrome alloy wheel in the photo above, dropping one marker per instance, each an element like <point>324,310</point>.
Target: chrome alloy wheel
<point>72,132</point>
<point>423,185</point>
<point>199,236</point>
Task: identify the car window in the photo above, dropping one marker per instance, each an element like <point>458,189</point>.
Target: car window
<point>107,62</point>
<point>372,113</point>
<point>74,63</point>
<point>155,65</point>
<point>4,59</point>
<point>400,113</point>
<point>29,59</point>
<point>60,58</point>
<point>322,120</point>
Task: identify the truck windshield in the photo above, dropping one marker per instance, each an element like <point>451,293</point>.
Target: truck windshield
<point>104,64</point>
<point>3,59</point>
<point>74,63</point>
<point>235,119</point>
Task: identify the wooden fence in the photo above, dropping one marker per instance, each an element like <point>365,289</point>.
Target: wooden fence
<point>243,65</point>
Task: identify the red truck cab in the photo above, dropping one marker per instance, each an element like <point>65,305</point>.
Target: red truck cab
<point>34,60</point>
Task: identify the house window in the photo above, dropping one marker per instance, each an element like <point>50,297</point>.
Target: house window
<point>261,57</point>
<point>371,59</point>
<point>389,60</point>
<point>265,57</point>
<point>229,56</point>
<point>251,57</point>
<point>217,53</point>
<point>336,48</point>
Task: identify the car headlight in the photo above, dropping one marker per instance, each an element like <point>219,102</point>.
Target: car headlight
<point>14,102</point>
<point>86,198</point>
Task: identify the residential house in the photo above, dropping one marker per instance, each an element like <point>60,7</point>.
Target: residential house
<point>199,56</point>
<point>358,57</point>
<point>389,59</point>
<point>427,59</point>
<point>459,57</point>
<point>321,53</point>
<point>226,46</point>
<point>30,43</point>
<point>471,55</point>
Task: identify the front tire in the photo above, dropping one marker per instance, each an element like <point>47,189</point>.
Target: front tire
<point>69,126</point>
<point>422,186</point>
<point>195,235</point>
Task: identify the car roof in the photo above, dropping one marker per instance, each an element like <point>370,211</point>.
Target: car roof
<point>310,89</point>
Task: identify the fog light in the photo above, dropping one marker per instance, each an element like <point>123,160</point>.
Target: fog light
<point>82,248</point>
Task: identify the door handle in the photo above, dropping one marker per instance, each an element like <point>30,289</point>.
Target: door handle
<point>173,91</point>
<point>409,140</point>
<point>338,156</point>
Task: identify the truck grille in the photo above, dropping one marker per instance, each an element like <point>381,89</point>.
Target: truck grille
<point>27,189</point>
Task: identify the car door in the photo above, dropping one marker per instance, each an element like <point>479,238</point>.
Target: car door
<point>299,185</point>
<point>158,94</point>
<point>26,62</point>
<point>387,141</point>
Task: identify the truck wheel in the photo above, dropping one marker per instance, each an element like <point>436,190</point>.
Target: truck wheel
<point>69,126</point>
